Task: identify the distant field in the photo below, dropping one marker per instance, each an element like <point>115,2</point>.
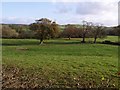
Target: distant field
<point>64,40</point>
<point>109,38</point>
<point>59,63</point>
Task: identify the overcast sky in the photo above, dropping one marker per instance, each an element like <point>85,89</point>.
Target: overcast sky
<point>63,12</point>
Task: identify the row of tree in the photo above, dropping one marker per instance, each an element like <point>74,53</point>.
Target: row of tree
<point>88,30</point>
<point>16,31</point>
<point>46,29</point>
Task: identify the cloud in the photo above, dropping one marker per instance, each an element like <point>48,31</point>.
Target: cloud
<point>17,20</point>
<point>66,1</point>
<point>85,8</point>
<point>62,8</point>
<point>102,12</point>
<point>109,21</point>
<point>88,8</point>
<point>97,12</point>
<point>119,13</point>
<point>54,1</point>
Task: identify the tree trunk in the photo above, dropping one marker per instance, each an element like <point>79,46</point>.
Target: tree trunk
<point>41,41</point>
<point>95,40</point>
<point>83,41</point>
<point>69,38</point>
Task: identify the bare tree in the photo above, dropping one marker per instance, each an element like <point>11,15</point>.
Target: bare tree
<point>86,29</point>
<point>70,31</point>
<point>98,32</point>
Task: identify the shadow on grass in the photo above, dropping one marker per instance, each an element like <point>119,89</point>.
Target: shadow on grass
<point>19,43</point>
<point>110,43</point>
<point>5,44</point>
<point>62,42</point>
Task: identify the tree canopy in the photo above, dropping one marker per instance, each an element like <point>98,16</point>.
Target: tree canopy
<point>44,28</point>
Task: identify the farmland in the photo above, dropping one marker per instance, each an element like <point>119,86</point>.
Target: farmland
<point>59,63</point>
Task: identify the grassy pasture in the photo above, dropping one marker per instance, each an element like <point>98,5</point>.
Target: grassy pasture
<point>59,63</point>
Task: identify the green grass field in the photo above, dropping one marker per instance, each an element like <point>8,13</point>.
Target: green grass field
<point>65,64</point>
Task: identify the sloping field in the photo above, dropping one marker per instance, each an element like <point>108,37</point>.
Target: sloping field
<point>59,65</point>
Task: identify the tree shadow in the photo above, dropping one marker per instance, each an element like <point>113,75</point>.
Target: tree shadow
<point>110,43</point>
<point>37,43</point>
<point>18,44</point>
<point>62,42</point>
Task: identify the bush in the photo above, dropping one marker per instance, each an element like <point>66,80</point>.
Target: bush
<point>8,32</point>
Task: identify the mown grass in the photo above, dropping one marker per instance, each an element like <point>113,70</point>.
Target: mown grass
<point>63,64</point>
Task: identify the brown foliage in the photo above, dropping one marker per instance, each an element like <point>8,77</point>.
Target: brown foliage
<point>7,32</point>
<point>70,31</point>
